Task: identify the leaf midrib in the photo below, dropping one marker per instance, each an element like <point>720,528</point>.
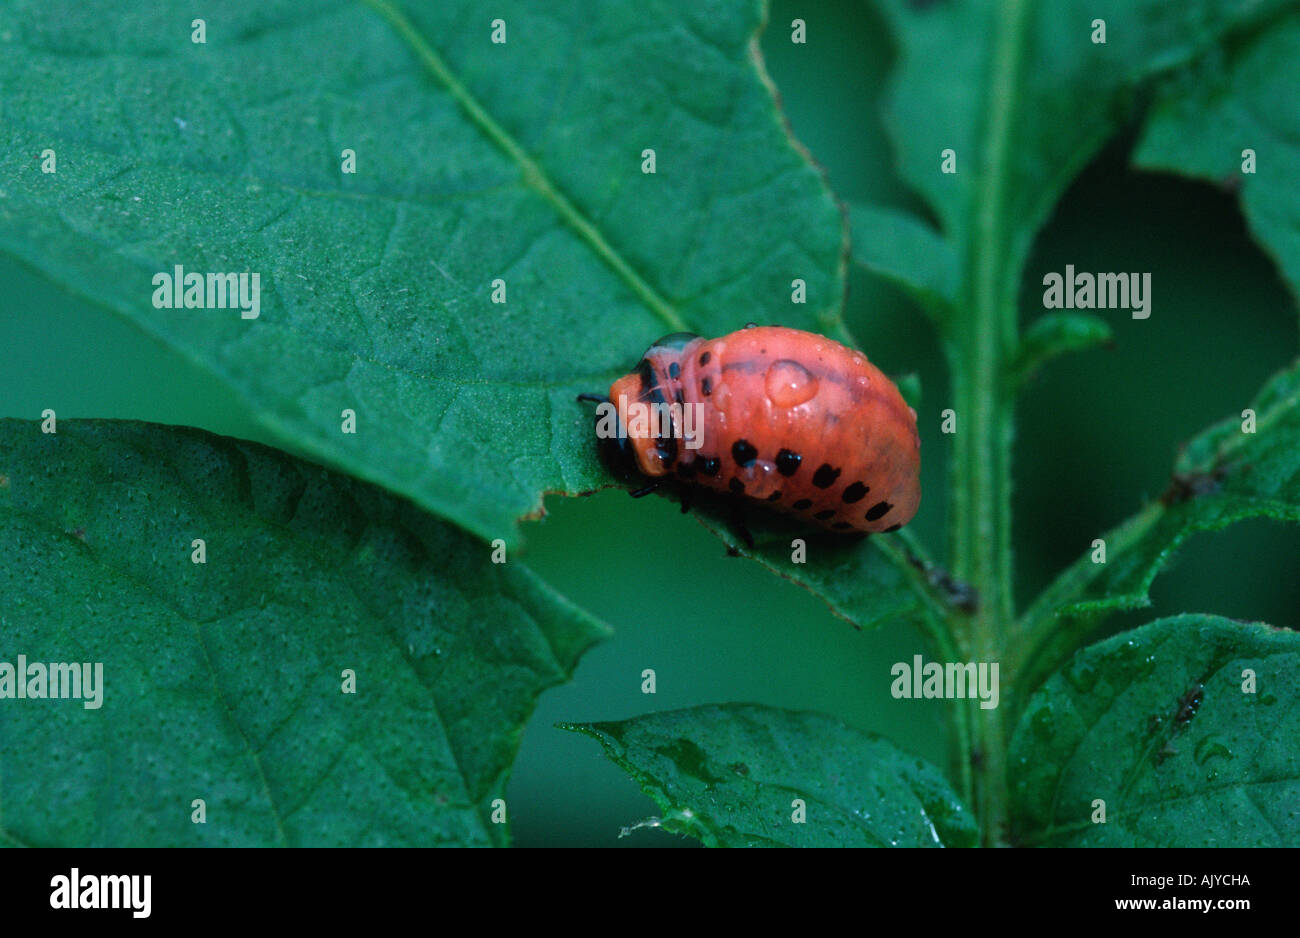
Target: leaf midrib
<point>533,174</point>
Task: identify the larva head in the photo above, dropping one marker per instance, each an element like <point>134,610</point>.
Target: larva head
<point>652,386</point>
<point>616,451</point>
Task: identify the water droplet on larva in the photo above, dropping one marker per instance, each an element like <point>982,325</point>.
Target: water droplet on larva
<point>760,478</point>
<point>721,396</point>
<point>789,383</point>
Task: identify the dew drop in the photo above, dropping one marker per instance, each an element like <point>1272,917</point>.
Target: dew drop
<point>789,383</point>
<point>761,478</point>
<point>721,397</point>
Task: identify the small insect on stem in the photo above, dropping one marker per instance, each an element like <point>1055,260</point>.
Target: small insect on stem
<point>1186,486</point>
<point>958,593</point>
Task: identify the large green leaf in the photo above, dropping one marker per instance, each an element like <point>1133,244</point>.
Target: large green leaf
<point>222,681</point>
<point>1241,100</point>
<point>730,775</point>
<point>475,161</point>
<point>1167,726</point>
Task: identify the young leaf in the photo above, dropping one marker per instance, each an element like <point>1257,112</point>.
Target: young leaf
<point>736,775</point>
<point>1023,94</point>
<point>1055,334</point>
<point>1236,125</point>
<point>872,582</point>
<point>1182,731</point>
<point>524,161</point>
<point>909,385</point>
<point>1246,466</point>
<point>224,680</point>
<point>907,252</point>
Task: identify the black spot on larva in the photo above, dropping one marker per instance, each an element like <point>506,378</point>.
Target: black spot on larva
<point>787,463</point>
<point>674,370</point>
<point>856,492</point>
<point>826,515</point>
<point>892,528</point>
<point>841,525</point>
<point>709,466</point>
<point>705,358</point>
<point>878,510</point>
<point>802,504</point>
<point>706,387</point>
<point>775,496</point>
<point>649,387</point>
<point>686,470</point>
<point>744,453</point>
<point>675,341</point>
<point>825,476</point>
<point>737,487</point>
<point>667,446</point>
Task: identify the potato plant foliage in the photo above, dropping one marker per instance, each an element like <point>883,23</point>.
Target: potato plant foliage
<point>502,247</point>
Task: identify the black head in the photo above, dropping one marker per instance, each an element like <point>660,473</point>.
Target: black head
<point>617,455</point>
<point>674,340</point>
<point>616,451</point>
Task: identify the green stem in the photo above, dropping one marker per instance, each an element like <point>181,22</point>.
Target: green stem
<point>979,352</point>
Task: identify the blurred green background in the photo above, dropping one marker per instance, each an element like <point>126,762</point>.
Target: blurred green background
<point>1098,433</point>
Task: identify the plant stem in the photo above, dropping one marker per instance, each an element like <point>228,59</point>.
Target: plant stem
<point>981,552</point>
<point>978,354</point>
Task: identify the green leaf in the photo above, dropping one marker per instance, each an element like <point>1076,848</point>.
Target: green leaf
<point>1222,476</point>
<point>871,582</point>
<point>729,775</point>
<point>1157,724</point>
<point>909,385</point>
<point>222,680</point>
<point>1239,100</point>
<point>474,161</point>
<point>907,252</point>
<point>1055,334</point>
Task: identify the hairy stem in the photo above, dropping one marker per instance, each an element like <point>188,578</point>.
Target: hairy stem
<point>978,353</point>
